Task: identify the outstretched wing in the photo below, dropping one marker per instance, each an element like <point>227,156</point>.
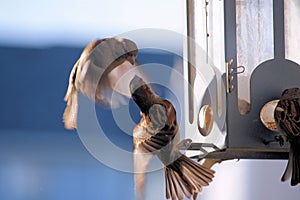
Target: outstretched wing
<point>96,74</point>
<point>141,157</point>
<point>151,135</point>
<point>101,66</point>
<point>159,128</point>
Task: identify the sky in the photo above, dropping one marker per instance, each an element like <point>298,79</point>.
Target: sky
<point>76,22</point>
<point>38,164</point>
<point>36,23</point>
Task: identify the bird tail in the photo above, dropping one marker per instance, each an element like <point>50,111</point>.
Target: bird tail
<point>296,166</point>
<point>184,177</point>
<point>70,114</point>
<point>71,97</point>
<point>293,167</point>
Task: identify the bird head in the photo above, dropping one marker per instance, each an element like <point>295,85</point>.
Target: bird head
<point>131,49</point>
<point>142,94</point>
<point>291,93</point>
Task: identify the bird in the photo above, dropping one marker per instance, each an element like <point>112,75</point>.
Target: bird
<point>287,118</point>
<point>96,73</point>
<point>158,134</point>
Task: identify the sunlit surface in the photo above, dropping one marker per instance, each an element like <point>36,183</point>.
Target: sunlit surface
<point>250,179</point>
<point>292,29</point>
<point>267,115</point>
<point>254,35</point>
<point>205,120</point>
<point>49,22</point>
<point>39,159</point>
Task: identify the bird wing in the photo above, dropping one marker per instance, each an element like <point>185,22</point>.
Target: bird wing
<point>95,75</point>
<point>148,141</point>
<point>157,132</point>
<point>101,66</point>
<point>113,89</point>
<point>287,115</point>
<point>141,157</point>
<point>71,97</point>
<point>144,149</point>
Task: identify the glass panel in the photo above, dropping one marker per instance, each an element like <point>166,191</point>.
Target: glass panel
<point>209,35</point>
<point>254,34</point>
<point>209,29</point>
<point>292,29</point>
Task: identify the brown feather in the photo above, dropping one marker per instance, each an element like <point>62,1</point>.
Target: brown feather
<point>168,192</point>
<point>158,133</point>
<point>70,113</point>
<point>95,75</point>
<point>287,117</point>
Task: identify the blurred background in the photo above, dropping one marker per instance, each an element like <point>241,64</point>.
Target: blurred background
<point>40,40</point>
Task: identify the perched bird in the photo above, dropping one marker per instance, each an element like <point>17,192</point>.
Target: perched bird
<point>287,117</point>
<point>158,134</point>
<point>96,73</point>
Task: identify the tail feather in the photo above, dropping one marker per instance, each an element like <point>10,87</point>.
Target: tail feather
<point>288,170</point>
<point>141,161</point>
<point>296,164</point>
<point>176,187</point>
<point>70,113</point>
<point>200,173</point>
<point>173,186</point>
<point>183,186</point>
<point>194,180</point>
<point>293,167</point>
<point>184,177</point>
<point>168,192</point>
<point>71,97</point>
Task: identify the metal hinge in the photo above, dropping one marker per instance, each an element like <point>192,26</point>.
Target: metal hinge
<point>230,72</point>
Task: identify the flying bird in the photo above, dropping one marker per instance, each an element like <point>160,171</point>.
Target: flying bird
<point>157,134</point>
<point>96,73</point>
<point>287,117</point>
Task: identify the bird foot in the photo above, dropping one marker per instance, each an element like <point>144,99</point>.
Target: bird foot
<point>280,139</point>
<point>277,138</point>
<point>184,144</point>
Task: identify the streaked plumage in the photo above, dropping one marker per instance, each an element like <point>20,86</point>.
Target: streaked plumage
<point>96,72</point>
<point>158,134</point>
<point>287,117</point>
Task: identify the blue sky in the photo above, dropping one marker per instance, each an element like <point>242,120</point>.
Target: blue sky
<point>48,22</point>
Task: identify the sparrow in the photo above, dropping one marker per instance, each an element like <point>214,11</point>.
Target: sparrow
<point>157,134</point>
<point>287,118</point>
<point>96,73</point>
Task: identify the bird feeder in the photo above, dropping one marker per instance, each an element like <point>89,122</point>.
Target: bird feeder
<point>241,55</point>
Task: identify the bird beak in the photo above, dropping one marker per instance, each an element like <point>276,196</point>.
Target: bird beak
<point>132,59</point>
<point>136,83</point>
<point>279,109</point>
<point>141,93</point>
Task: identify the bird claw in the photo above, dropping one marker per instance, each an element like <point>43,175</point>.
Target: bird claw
<point>185,144</point>
<point>277,138</point>
<point>266,142</point>
<point>280,139</point>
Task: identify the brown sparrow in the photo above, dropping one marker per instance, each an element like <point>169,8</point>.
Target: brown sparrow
<point>158,134</point>
<point>95,75</point>
<point>287,117</point>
